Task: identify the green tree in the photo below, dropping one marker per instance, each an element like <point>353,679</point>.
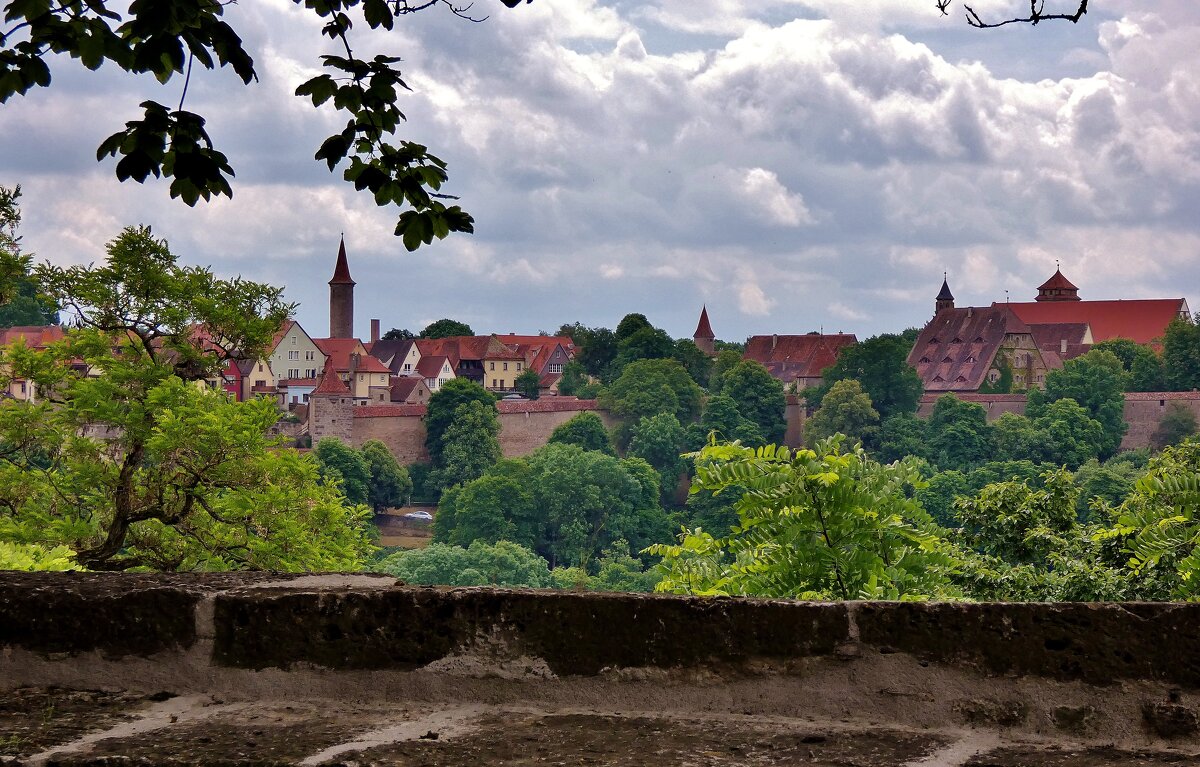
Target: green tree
<point>446,328</point>
<point>1018,438</point>
<point>901,436</point>
<point>846,409</point>
<point>1096,381</point>
<point>573,379</point>
<point>345,466</point>
<point>390,484</point>
<point>495,507</point>
<point>880,364</point>
<point>959,435</point>
<point>629,325</point>
<point>469,446</point>
<point>648,388</point>
<point>585,430</point>
<point>646,343</point>
<point>180,476</point>
<point>442,406</point>
<point>815,524</point>
<point>725,361</point>
<point>1181,355</point>
<point>759,397</point>
<point>1143,365</point>
<point>723,417</point>
<point>1177,424</point>
<point>659,440</point>
<point>596,348</point>
<point>20,301</point>
<point>939,495</point>
<point>528,384</point>
<point>398,334</point>
<point>697,363</point>
<point>165,38</point>
<point>480,564</point>
<point>1070,436</point>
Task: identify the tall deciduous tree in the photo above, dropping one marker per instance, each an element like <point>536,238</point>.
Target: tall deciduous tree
<point>847,410</point>
<point>345,465</point>
<point>650,387</point>
<point>959,435</point>
<point>390,484</point>
<point>442,405</point>
<point>880,364</point>
<point>446,328</point>
<point>585,430</point>
<point>1097,382</point>
<point>759,397</point>
<point>138,464</point>
<point>469,445</point>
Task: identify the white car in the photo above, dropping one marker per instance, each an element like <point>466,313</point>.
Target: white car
<point>425,515</point>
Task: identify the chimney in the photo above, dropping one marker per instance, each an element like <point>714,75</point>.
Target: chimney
<point>774,341</point>
<point>374,331</point>
<point>355,359</point>
<point>970,311</point>
<point>1062,346</point>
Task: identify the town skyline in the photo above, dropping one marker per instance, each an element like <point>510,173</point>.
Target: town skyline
<point>878,145</point>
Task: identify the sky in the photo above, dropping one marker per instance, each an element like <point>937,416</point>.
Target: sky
<point>795,165</point>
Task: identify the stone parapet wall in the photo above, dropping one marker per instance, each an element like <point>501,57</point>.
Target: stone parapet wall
<point>367,622</point>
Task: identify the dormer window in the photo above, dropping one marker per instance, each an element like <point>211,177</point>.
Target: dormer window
<point>960,379</point>
<point>938,379</point>
<point>978,339</point>
<point>956,340</point>
<point>947,358</point>
<point>972,359</point>
<point>922,361</point>
<point>934,340</point>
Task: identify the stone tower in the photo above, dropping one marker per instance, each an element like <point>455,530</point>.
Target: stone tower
<point>331,408</point>
<point>341,298</point>
<point>704,336</point>
<point>945,299</point>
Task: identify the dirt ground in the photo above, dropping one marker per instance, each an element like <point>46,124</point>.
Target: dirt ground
<point>40,727</point>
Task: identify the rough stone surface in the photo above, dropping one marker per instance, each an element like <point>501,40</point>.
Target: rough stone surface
<point>1095,643</point>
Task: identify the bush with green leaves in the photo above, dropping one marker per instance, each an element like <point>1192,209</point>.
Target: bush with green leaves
<point>820,523</point>
<point>585,430</point>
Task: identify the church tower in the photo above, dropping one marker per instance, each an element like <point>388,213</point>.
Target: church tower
<point>341,298</point>
<point>704,336</point>
<point>945,299</point>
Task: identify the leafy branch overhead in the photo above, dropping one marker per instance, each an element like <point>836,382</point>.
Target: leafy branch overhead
<point>164,38</point>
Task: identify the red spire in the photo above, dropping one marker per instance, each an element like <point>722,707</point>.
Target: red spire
<point>341,272</point>
<point>330,382</point>
<point>703,329</point>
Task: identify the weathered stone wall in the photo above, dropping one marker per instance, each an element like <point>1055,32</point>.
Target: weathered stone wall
<point>257,621</point>
<point>794,413</point>
<point>331,416</point>
<point>402,433</point>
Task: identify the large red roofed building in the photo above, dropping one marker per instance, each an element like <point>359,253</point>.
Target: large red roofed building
<point>797,359</point>
<point>1010,346</point>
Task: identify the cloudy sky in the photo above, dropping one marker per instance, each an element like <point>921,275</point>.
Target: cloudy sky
<point>796,165</point>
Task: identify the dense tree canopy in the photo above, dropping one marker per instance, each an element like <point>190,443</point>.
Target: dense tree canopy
<point>165,38</point>
<point>759,397</point>
<point>880,364</point>
<point>446,328</point>
<point>585,430</point>
<point>138,464</point>
<point>846,410</point>
<point>442,405</point>
<point>1096,381</point>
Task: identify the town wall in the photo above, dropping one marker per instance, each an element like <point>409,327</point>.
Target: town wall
<point>995,405</point>
<point>526,426</point>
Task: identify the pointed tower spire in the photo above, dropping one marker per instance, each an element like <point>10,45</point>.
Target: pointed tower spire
<point>704,336</point>
<point>341,297</point>
<point>945,299</point>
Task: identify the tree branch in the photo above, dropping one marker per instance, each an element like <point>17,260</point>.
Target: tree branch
<point>1036,15</point>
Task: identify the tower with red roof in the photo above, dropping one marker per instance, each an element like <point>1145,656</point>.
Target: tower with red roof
<point>341,298</point>
<point>704,336</point>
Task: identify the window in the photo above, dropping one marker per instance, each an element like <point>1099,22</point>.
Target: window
<point>518,366</point>
<point>505,366</point>
<point>293,355</point>
<point>407,367</point>
<point>494,386</point>
<point>555,367</point>
<point>260,367</point>
<point>293,340</point>
<point>923,361</point>
<point>493,365</point>
<point>441,382</point>
<point>309,355</point>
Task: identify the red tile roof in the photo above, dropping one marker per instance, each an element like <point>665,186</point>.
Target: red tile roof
<point>1139,320</point>
<point>286,382</point>
<point>338,351</point>
<point>403,386</point>
<point>955,349</point>
<point>512,340</point>
<point>1062,340</point>
<point>431,366</point>
<point>792,357</point>
<point>341,272</point>
<point>330,382</point>
<point>703,329</point>
<point>35,336</point>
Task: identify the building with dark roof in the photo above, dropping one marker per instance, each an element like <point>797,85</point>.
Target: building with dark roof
<point>797,359</point>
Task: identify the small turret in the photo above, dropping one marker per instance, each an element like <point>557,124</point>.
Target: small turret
<point>945,299</point>
<point>1057,288</point>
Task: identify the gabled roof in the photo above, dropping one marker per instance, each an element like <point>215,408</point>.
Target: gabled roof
<point>956,348</point>
<point>1140,320</point>
<point>703,329</point>
<point>792,357</point>
<point>403,387</point>
<point>330,382</point>
<point>338,351</point>
<point>1067,340</point>
<point>392,352</point>
<point>341,272</point>
<point>284,328</point>
<point>431,366</point>
<point>498,350</point>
